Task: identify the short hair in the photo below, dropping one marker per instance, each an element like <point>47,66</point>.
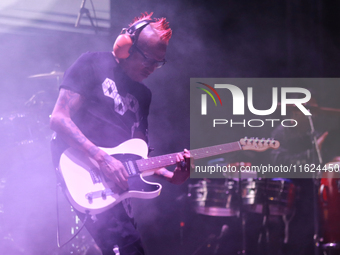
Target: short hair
<point>160,25</point>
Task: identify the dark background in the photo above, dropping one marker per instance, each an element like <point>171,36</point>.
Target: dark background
<point>231,38</point>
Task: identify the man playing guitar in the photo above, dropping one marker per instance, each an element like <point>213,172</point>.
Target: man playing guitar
<point>102,103</point>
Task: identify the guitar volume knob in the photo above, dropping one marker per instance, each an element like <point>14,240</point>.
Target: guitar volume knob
<point>89,197</point>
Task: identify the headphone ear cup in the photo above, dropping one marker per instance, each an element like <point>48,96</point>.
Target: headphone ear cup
<point>122,46</point>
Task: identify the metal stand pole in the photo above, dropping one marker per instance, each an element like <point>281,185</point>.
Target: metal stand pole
<point>315,189</point>
<point>264,233</point>
<point>242,216</point>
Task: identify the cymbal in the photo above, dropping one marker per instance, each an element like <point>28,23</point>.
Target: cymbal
<point>53,74</point>
<point>328,111</point>
<point>317,109</point>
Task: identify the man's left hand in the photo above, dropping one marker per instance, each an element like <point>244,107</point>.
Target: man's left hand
<point>183,166</point>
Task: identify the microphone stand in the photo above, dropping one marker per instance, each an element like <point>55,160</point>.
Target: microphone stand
<point>242,216</point>
<point>316,180</point>
<point>82,11</point>
<point>263,240</point>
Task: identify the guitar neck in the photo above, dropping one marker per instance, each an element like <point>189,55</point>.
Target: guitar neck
<point>170,159</point>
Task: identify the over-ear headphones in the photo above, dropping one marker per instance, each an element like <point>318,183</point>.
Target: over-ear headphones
<point>122,48</point>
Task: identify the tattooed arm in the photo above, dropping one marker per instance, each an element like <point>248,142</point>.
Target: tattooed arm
<point>67,104</point>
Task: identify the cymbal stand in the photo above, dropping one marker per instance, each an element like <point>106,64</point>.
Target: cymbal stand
<point>315,187</point>
<point>314,139</point>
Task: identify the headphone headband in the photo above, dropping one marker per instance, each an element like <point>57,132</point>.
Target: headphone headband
<point>139,26</point>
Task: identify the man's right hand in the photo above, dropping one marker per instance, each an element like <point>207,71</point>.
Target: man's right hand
<point>61,121</point>
<point>114,170</point>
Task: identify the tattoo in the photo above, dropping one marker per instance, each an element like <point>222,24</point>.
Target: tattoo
<point>69,100</point>
<point>80,138</point>
<point>93,150</point>
<point>75,134</point>
<point>108,158</point>
<point>69,103</point>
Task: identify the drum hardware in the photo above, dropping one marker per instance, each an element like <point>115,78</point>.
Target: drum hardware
<point>277,199</point>
<point>251,195</point>
<point>220,197</point>
<point>329,200</point>
<point>264,231</point>
<point>51,75</point>
<point>331,249</point>
<point>214,199</point>
<point>278,194</point>
<point>206,242</point>
<point>332,112</point>
<point>17,129</point>
<point>57,75</point>
<point>316,183</point>
<point>316,109</point>
<point>242,213</point>
<point>212,244</point>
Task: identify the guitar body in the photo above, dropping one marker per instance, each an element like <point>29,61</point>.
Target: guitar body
<point>89,191</point>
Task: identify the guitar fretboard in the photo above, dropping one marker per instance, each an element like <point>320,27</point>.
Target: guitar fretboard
<point>170,159</point>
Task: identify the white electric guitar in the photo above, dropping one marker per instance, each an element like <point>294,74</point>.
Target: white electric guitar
<point>89,191</point>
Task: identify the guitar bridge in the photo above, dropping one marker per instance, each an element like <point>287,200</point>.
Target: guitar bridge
<point>98,194</point>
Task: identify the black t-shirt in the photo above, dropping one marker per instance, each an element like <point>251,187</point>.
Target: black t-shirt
<point>115,106</point>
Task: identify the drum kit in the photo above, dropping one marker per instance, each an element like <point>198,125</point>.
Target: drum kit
<point>239,196</point>
<point>25,136</point>
<point>329,200</point>
<point>30,122</point>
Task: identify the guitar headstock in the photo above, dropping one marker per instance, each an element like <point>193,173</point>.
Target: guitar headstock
<point>256,144</point>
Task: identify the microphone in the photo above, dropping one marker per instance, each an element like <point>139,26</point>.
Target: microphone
<point>224,231</point>
<point>81,11</point>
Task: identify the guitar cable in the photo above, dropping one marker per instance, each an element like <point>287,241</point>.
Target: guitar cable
<point>58,230</point>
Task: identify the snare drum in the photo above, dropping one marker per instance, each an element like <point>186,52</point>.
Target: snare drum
<point>215,199</point>
<point>278,193</point>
